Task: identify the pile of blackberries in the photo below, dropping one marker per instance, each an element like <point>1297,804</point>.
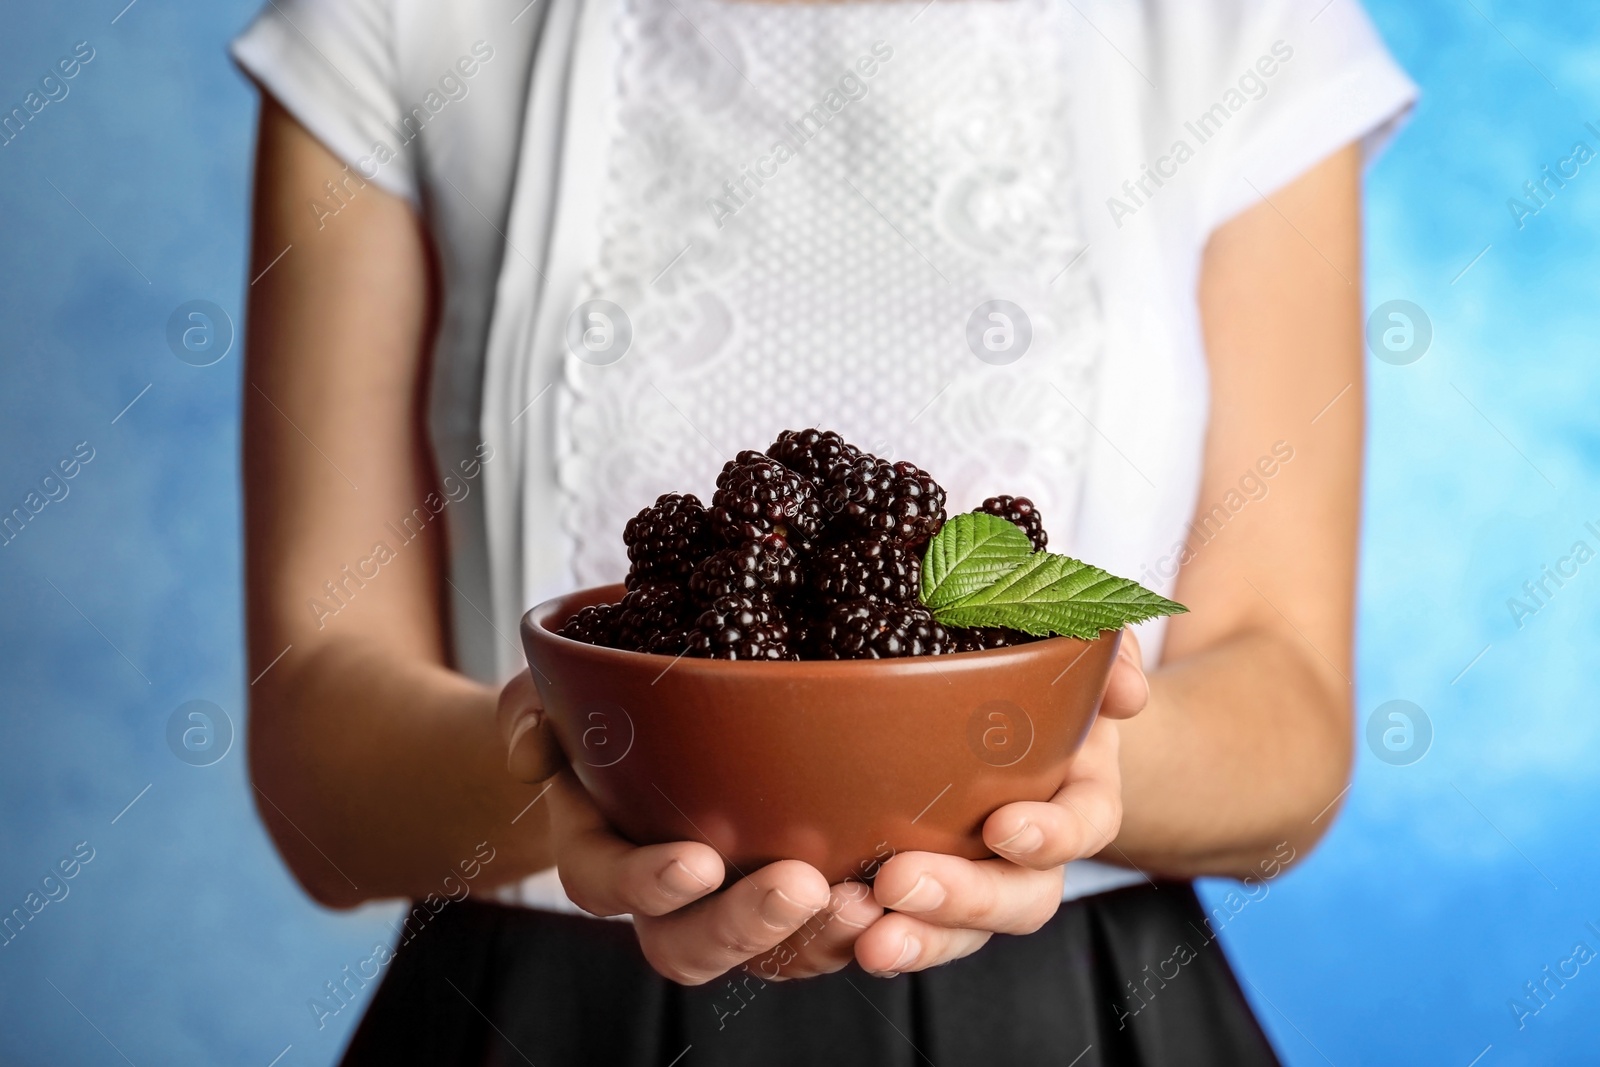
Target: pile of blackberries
<point>810,550</point>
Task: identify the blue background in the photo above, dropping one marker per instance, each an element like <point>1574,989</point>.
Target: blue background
<point>1443,888</point>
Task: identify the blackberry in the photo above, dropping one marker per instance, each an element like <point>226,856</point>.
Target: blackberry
<point>738,612</point>
<point>1019,511</point>
<point>802,634</point>
<point>740,627</point>
<point>871,497</point>
<point>979,638</point>
<point>667,539</point>
<point>866,569</point>
<point>864,629</point>
<point>648,610</point>
<point>768,567</point>
<point>593,625</point>
<point>812,453</point>
<point>668,643</point>
<point>757,496</point>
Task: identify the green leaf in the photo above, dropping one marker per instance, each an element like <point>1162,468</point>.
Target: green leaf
<point>1051,594</point>
<point>980,571</point>
<point>969,553</point>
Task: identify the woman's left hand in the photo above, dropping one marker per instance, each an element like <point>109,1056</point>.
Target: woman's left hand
<point>942,907</point>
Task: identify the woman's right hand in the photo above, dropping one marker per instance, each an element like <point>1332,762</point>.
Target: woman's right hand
<point>783,920</point>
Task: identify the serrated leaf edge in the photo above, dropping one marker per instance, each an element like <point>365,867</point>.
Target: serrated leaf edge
<point>987,531</point>
<point>1072,615</point>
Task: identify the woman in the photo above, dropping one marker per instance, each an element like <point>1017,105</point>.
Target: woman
<point>789,214</point>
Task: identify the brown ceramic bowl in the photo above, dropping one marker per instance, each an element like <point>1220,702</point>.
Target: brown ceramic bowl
<point>839,764</point>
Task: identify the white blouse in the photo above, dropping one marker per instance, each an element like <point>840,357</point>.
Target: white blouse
<point>797,242</point>
<point>963,232</point>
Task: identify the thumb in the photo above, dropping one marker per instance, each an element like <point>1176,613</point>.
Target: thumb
<point>1128,690</point>
<point>532,754</point>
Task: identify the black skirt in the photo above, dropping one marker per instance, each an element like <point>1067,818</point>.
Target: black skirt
<point>1134,976</point>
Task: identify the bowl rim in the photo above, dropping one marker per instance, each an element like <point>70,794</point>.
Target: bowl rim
<point>539,626</point>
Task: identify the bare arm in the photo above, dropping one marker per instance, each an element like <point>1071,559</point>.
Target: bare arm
<point>1246,738</point>
<point>377,768</point>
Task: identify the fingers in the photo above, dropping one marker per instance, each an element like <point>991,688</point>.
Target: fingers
<point>825,943</point>
<point>754,916</point>
<point>993,896</point>
<point>1128,690</point>
<point>605,875</point>
<point>942,907</point>
<point>1080,820</point>
<point>688,939</point>
<point>898,943</point>
<point>532,754</point>
<point>518,699</point>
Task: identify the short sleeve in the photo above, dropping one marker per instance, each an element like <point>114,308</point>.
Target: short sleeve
<point>332,65</point>
<point>1294,81</point>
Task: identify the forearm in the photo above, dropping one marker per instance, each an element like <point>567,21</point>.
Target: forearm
<point>1246,742</point>
<point>379,775</point>
<point>378,771</point>
<point>1243,747</point>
